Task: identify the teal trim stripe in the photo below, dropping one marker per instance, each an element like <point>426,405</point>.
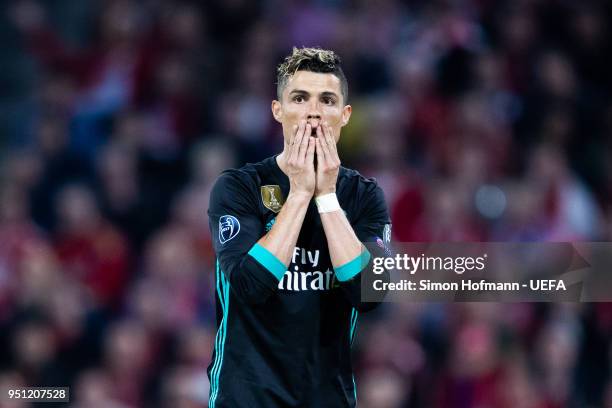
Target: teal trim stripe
<point>354,316</point>
<point>226,296</point>
<point>217,337</point>
<point>223,292</point>
<point>353,326</point>
<point>352,268</point>
<point>268,261</point>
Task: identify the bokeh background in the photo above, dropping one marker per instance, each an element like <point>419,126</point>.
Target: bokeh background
<point>483,120</point>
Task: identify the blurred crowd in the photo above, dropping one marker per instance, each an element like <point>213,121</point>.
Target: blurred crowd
<point>483,120</point>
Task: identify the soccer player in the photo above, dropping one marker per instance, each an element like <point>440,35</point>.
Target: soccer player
<point>288,233</point>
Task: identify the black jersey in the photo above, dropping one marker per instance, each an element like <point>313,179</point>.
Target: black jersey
<point>284,339</point>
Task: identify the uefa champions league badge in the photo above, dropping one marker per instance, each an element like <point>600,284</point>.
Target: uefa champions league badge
<point>229,227</point>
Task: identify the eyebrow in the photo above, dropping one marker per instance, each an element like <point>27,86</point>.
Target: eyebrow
<point>302,92</point>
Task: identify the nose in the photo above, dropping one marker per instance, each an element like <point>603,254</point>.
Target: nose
<point>314,114</point>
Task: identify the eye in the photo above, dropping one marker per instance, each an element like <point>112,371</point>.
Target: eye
<point>328,100</point>
<point>298,98</point>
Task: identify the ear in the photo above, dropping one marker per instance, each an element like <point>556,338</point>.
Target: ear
<point>346,114</point>
<point>277,111</point>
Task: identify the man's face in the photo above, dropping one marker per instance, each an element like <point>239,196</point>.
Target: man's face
<point>314,97</point>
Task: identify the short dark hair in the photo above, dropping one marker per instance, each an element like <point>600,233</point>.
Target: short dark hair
<point>313,60</point>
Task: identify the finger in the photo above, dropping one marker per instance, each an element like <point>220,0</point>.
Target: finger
<point>320,139</point>
<point>320,154</point>
<point>292,136</point>
<point>329,137</point>
<point>311,149</point>
<point>320,134</point>
<point>297,140</point>
<point>294,129</point>
<point>327,154</point>
<point>304,143</point>
<point>331,144</point>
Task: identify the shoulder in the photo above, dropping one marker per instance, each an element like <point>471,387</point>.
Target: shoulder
<point>237,186</point>
<point>358,184</point>
<point>245,178</point>
<point>361,196</point>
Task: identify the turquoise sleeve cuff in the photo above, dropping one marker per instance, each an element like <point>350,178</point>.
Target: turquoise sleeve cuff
<point>268,261</point>
<point>350,269</point>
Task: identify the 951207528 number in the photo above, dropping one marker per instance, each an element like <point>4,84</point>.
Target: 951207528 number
<point>37,394</point>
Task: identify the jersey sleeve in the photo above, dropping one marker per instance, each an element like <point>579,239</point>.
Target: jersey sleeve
<point>235,228</point>
<point>373,228</point>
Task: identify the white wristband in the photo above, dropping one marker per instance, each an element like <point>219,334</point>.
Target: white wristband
<point>327,203</point>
